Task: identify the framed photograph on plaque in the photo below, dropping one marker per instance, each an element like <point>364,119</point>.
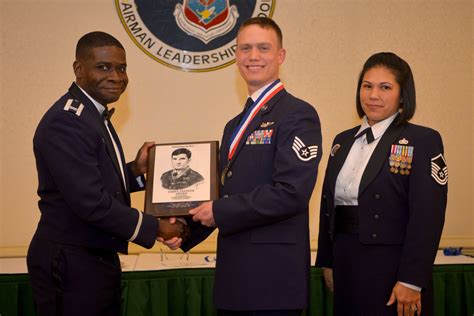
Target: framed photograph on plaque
<point>180,177</point>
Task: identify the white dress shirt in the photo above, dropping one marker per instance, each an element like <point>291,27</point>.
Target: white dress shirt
<point>348,179</point>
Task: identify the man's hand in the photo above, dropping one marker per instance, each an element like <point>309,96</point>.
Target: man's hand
<point>328,279</point>
<point>173,243</point>
<point>171,227</point>
<point>170,232</point>
<point>204,214</point>
<point>140,165</point>
<point>408,300</point>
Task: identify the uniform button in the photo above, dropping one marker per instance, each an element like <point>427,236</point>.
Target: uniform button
<point>327,214</point>
<point>376,216</point>
<point>225,196</point>
<point>229,173</point>
<point>117,193</point>
<point>377,196</point>
<point>374,236</point>
<point>324,196</point>
<point>329,232</point>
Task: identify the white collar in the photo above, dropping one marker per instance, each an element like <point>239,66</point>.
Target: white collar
<point>379,128</point>
<point>257,93</point>
<point>98,106</point>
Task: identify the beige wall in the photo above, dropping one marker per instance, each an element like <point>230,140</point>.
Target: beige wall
<point>327,42</point>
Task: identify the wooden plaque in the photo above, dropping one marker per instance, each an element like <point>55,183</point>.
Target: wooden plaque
<point>180,177</point>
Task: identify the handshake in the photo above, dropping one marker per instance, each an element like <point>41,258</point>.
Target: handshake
<point>172,231</point>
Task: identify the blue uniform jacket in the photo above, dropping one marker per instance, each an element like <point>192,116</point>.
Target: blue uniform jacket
<point>83,200</point>
<point>263,251</point>
<point>394,209</point>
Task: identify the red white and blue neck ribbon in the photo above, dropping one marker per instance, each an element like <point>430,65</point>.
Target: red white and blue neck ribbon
<point>264,97</point>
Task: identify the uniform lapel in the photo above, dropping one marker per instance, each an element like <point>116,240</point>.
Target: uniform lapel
<point>122,156</point>
<point>110,148</point>
<point>99,120</point>
<point>339,158</point>
<point>255,123</point>
<point>380,154</point>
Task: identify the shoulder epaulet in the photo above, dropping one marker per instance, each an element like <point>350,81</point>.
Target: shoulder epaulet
<point>74,106</point>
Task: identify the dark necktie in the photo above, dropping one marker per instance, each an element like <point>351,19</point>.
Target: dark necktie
<point>248,103</point>
<point>369,135</point>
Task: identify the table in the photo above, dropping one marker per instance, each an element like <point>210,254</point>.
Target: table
<point>180,292</point>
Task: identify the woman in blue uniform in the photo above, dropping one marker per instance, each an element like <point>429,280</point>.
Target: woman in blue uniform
<point>383,201</point>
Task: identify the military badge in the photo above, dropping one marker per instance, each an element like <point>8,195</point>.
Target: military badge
<point>260,137</point>
<point>206,20</point>
<point>400,159</point>
<point>266,124</point>
<point>439,169</point>
<point>303,152</point>
<point>403,141</point>
<point>334,149</point>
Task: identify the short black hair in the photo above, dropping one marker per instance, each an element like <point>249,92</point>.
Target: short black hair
<point>403,76</point>
<point>93,40</point>
<point>265,23</point>
<point>180,151</point>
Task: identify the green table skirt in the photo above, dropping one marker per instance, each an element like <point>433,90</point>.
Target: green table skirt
<point>189,292</point>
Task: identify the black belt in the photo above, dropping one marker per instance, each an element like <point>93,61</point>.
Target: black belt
<point>347,219</point>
